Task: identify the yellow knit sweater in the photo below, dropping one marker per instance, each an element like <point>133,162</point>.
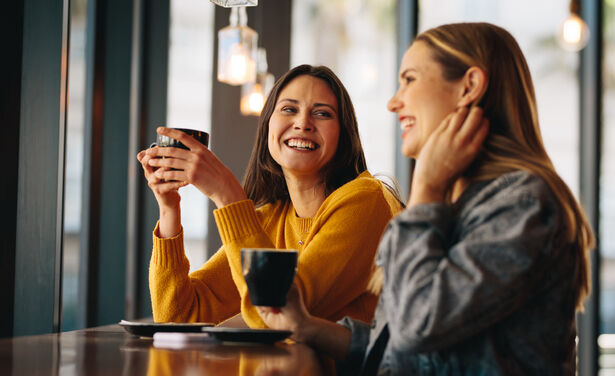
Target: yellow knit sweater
<point>335,258</point>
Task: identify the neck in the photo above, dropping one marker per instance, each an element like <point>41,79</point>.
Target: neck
<point>459,186</point>
<point>306,194</point>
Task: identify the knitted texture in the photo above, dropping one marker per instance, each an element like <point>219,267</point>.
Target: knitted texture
<point>336,254</point>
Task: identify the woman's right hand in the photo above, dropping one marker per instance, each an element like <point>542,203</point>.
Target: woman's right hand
<point>448,152</point>
<point>166,192</point>
<point>167,196</point>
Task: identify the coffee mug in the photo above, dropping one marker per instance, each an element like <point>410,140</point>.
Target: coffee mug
<point>166,141</point>
<point>269,273</point>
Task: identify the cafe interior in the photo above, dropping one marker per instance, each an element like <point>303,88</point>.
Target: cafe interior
<point>87,82</point>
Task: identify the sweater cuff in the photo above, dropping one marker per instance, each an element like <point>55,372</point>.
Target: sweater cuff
<point>359,339</point>
<point>237,220</point>
<point>168,252</point>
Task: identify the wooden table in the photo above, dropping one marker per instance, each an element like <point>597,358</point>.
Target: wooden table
<point>109,350</point>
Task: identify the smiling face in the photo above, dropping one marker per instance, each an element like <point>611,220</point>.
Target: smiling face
<point>423,99</point>
<point>304,127</point>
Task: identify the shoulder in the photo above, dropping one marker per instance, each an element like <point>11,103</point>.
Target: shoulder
<point>518,189</point>
<point>271,211</point>
<point>364,189</point>
<point>518,185</point>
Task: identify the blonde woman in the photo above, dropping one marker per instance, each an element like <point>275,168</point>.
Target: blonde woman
<point>484,271</point>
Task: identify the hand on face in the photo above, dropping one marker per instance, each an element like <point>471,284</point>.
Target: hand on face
<point>448,151</point>
<point>290,317</point>
<point>197,166</point>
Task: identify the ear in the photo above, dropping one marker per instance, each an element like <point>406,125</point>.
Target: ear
<point>474,83</point>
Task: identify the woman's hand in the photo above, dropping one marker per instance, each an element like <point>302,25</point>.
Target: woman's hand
<point>167,196</point>
<point>197,166</point>
<point>324,335</point>
<point>166,192</point>
<point>447,153</point>
<point>293,316</point>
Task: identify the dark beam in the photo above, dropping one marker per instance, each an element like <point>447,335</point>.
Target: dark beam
<point>11,33</point>
<point>407,28</point>
<point>41,167</point>
<point>590,143</point>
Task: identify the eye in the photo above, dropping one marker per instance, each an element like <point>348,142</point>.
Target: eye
<point>288,109</point>
<point>407,79</point>
<point>323,113</point>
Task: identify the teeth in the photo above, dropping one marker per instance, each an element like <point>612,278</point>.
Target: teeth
<point>301,144</point>
<point>406,123</point>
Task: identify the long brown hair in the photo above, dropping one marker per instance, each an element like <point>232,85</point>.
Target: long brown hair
<point>264,180</point>
<point>514,141</point>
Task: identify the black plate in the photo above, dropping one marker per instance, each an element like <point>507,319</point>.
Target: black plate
<point>147,329</point>
<point>247,335</point>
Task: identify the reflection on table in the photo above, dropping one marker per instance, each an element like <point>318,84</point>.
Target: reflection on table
<point>110,350</point>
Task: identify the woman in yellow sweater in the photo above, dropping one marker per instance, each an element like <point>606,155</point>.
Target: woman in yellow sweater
<point>306,188</point>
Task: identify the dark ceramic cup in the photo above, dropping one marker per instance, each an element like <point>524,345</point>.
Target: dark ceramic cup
<point>269,273</point>
<point>166,141</point>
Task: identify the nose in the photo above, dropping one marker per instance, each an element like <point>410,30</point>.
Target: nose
<point>303,122</point>
<point>394,104</point>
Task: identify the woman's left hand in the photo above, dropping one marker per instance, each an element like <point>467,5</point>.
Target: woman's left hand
<point>448,151</point>
<point>197,166</point>
<point>293,316</point>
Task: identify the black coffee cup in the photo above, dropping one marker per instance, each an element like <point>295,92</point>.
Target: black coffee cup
<point>269,273</point>
<point>166,141</point>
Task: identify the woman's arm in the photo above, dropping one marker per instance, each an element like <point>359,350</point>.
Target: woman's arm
<point>324,335</point>
<point>440,289</point>
<point>336,263</point>
<point>206,295</point>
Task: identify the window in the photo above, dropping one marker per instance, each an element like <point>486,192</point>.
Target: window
<point>74,164</point>
<point>607,198</point>
<point>356,39</point>
<point>189,103</point>
<point>553,70</point>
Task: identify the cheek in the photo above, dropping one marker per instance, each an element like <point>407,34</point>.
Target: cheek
<point>333,140</point>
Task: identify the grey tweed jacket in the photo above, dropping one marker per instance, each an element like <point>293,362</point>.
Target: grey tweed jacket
<point>481,287</point>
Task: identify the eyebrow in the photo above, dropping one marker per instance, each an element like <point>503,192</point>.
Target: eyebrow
<point>294,101</point>
<point>402,74</point>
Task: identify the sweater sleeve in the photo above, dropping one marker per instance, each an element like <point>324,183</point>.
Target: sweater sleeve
<point>337,259</point>
<point>206,295</point>
<point>442,288</point>
<point>240,227</point>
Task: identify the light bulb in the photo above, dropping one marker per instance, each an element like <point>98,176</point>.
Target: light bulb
<point>252,99</point>
<point>574,33</point>
<point>237,50</point>
<point>256,102</point>
<point>238,67</point>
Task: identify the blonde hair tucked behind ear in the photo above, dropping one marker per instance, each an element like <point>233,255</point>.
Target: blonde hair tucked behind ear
<point>514,141</point>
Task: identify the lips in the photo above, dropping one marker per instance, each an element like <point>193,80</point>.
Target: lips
<point>301,144</point>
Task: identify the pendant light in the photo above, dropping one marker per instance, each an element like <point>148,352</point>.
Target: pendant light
<point>237,48</point>
<point>254,94</point>
<point>235,3</point>
<point>574,33</point>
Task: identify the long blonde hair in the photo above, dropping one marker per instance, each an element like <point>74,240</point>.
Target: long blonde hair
<point>514,141</point>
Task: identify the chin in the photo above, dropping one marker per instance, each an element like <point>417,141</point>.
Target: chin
<point>408,152</point>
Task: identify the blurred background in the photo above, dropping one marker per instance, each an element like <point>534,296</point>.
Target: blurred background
<point>362,41</point>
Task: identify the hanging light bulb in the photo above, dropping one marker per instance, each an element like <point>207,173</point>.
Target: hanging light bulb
<point>235,3</point>
<point>574,33</point>
<point>254,94</point>
<point>237,50</point>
